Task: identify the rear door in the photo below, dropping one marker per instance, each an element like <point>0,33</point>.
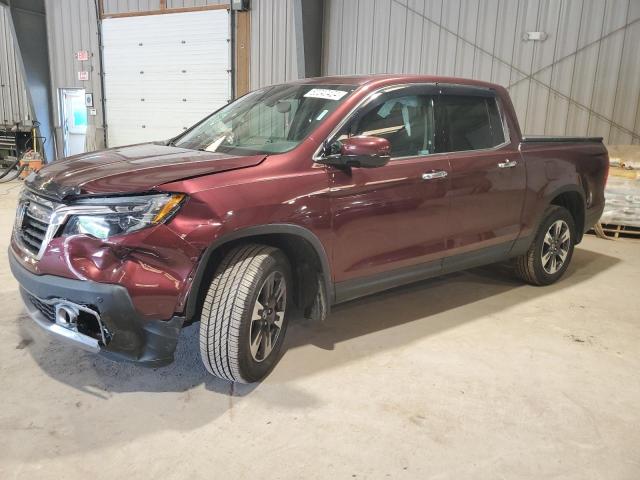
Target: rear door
<point>487,174</point>
<point>394,216</point>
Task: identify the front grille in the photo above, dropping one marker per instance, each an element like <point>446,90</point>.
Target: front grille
<point>33,222</point>
<point>33,232</point>
<point>44,308</point>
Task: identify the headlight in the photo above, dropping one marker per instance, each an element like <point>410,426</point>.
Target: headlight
<point>106,217</point>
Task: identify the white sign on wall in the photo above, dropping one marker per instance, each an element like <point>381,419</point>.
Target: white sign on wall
<point>83,76</point>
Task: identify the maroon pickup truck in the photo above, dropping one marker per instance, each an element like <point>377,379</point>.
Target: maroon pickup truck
<point>297,196</point>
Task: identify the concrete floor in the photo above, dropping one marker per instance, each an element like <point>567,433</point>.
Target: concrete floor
<point>473,375</point>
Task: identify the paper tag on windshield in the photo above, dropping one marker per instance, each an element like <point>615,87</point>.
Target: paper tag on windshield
<point>325,93</point>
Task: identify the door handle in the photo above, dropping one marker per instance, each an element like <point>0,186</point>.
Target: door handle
<point>434,175</point>
<point>507,164</point>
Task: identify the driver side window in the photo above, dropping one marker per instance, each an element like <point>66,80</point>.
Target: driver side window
<point>407,122</point>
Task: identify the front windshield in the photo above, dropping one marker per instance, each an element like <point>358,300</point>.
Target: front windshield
<point>272,120</point>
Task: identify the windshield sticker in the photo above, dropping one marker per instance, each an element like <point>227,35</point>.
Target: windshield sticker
<point>325,93</point>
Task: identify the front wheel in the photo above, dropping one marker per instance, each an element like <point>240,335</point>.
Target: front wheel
<point>550,253</point>
<point>244,314</point>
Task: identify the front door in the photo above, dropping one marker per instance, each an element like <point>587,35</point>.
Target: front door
<point>395,217</point>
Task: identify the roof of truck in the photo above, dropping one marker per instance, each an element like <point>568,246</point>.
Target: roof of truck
<point>383,79</point>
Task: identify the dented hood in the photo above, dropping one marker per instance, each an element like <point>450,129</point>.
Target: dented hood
<point>137,168</point>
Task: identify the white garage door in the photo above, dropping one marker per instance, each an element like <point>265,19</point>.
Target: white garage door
<point>163,73</point>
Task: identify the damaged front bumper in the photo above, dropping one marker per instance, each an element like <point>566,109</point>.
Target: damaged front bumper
<point>97,317</point>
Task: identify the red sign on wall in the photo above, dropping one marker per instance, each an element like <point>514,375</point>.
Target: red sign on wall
<point>82,55</point>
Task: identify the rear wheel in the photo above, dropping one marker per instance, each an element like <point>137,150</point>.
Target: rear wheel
<point>549,255</point>
<point>244,315</point>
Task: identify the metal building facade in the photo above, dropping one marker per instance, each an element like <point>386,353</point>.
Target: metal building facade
<point>273,43</point>
<point>583,79</point>
<point>14,101</point>
<point>132,6</point>
<point>72,26</point>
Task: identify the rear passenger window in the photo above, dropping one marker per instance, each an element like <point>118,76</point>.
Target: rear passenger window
<point>470,123</point>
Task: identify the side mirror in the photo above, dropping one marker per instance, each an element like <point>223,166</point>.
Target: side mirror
<point>363,152</point>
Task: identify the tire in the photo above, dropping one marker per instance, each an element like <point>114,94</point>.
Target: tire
<point>233,317</point>
<point>536,265</point>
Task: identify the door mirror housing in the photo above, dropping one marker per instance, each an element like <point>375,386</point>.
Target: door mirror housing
<point>361,152</point>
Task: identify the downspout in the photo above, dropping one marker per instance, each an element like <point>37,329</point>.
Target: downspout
<point>232,54</point>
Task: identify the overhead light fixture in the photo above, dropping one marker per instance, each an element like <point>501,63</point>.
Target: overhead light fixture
<point>535,36</point>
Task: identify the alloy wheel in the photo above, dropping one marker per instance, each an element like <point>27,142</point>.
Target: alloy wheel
<point>267,316</point>
<point>555,246</point>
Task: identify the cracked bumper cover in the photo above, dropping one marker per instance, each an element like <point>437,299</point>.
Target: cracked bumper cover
<point>147,342</point>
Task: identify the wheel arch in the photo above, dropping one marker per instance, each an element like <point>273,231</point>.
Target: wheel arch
<point>572,198</point>
<point>303,248</point>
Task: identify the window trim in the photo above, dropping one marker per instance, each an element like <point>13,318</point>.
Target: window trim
<point>318,157</point>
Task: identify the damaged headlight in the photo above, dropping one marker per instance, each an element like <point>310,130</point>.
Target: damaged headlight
<point>106,217</point>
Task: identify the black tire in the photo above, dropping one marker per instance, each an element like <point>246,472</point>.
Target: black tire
<point>530,267</point>
<point>227,329</point>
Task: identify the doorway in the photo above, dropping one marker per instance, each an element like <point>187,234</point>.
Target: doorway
<point>73,120</point>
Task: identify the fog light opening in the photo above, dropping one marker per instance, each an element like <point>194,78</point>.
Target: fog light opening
<point>88,324</point>
<point>66,315</point>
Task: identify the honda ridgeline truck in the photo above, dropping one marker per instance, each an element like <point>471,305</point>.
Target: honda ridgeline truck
<point>296,196</point>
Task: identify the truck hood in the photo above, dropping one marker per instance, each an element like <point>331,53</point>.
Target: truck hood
<point>136,168</point>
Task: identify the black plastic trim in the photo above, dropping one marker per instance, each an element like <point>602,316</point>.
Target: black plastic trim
<point>469,90</point>
<point>591,216</point>
<point>544,139</point>
<point>521,245</point>
<point>269,229</point>
<point>477,258</point>
<point>576,188</point>
<point>361,287</point>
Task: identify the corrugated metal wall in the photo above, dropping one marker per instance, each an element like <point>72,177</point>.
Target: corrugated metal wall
<point>72,26</point>
<point>273,44</point>
<point>584,79</point>
<point>129,6</point>
<point>14,103</point>
<point>273,55</point>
